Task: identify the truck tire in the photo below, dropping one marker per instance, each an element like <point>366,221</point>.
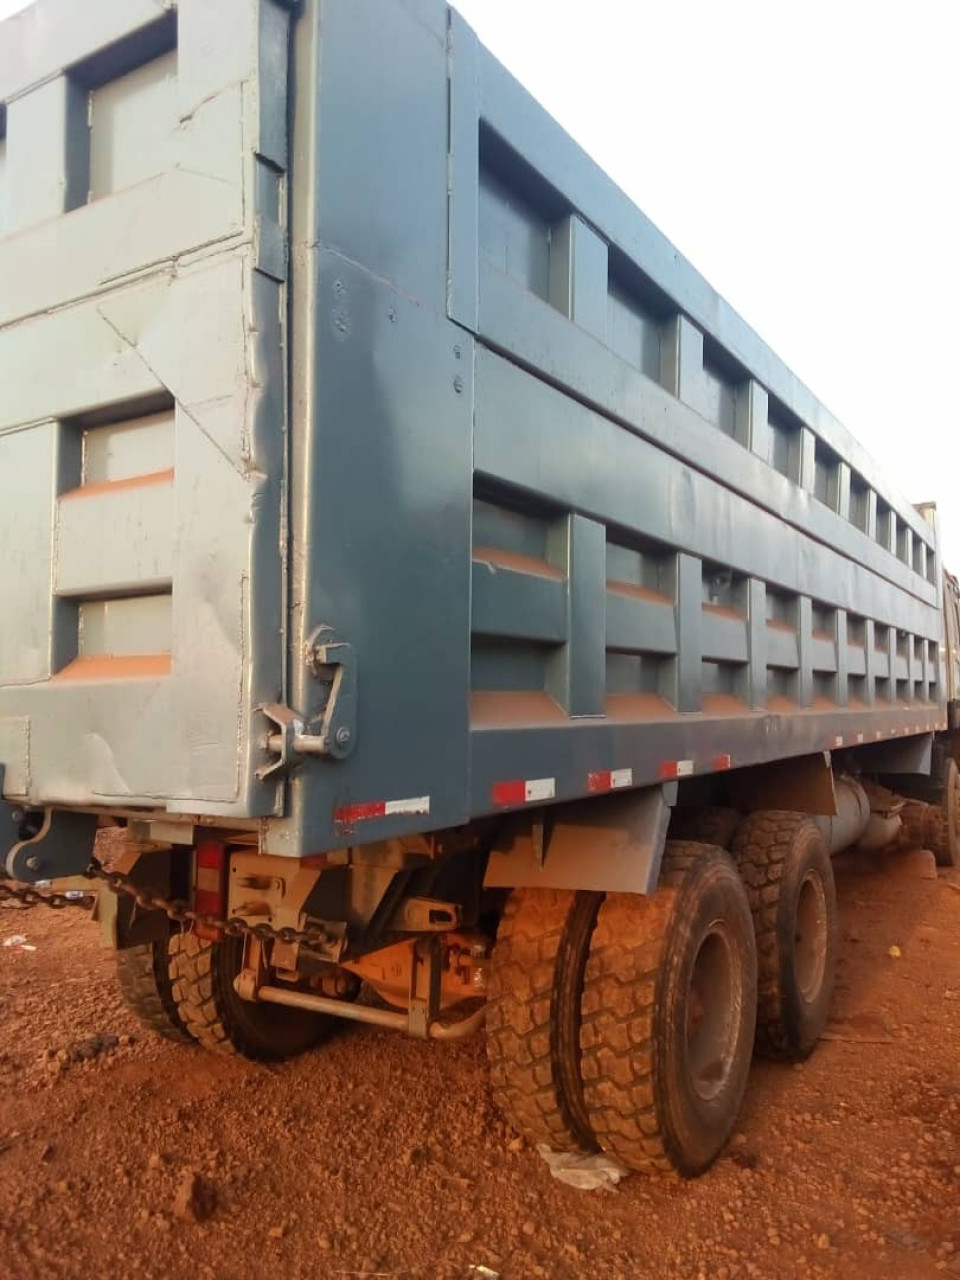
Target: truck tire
<point>788,874</point>
<point>944,826</point>
<point>713,824</point>
<point>213,1013</point>
<point>143,973</point>
<point>533,1015</point>
<point>669,1004</point>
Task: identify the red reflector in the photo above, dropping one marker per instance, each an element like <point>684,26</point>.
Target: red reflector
<point>722,762</point>
<point>514,792</point>
<point>600,781</point>
<point>206,900</point>
<point>210,855</point>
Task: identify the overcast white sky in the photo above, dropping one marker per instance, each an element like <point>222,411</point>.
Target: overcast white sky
<point>805,157</point>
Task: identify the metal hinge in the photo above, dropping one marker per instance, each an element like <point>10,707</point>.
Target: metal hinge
<point>43,844</point>
<point>333,663</point>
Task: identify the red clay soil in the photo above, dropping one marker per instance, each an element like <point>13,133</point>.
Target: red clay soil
<point>124,1155</point>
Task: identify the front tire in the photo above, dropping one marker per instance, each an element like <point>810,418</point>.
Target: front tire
<point>669,1004</point>
<point>203,973</point>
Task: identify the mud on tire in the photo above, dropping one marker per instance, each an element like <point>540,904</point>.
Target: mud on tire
<point>788,874</point>
<point>213,1013</point>
<point>143,974</point>
<point>669,1003</point>
<point>533,1015</point>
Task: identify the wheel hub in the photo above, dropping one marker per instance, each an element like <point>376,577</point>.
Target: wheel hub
<point>712,1012</point>
<point>810,937</point>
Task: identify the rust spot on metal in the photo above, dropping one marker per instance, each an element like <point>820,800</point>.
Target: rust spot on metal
<point>493,709</point>
<point>637,592</point>
<point>517,561</point>
<point>117,486</point>
<point>723,704</point>
<point>138,666</point>
<point>639,706</point>
<point>723,611</point>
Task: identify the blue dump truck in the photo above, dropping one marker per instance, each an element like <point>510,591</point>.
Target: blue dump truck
<point>426,602</point>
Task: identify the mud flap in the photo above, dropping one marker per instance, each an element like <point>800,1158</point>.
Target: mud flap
<point>611,845</point>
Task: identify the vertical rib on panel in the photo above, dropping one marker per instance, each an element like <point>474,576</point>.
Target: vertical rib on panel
<point>843,659</point>
<point>753,411</point>
<point>755,692</point>
<point>805,650</point>
<point>870,661</point>
<point>684,672</point>
<point>578,274</point>
<point>843,490</point>
<point>808,460</point>
<point>577,674</point>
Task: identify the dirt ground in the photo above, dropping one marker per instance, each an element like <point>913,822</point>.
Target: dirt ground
<point>380,1156</point>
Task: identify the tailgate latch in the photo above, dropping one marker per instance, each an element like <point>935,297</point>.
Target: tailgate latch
<point>332,730</point>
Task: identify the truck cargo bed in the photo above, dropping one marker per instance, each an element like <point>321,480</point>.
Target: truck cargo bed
<point>404,474</point>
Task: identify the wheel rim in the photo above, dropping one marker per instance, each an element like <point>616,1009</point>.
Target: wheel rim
<point>713,1012</point>
<point>810,937</point>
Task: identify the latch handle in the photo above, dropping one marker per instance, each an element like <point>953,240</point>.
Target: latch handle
<point>333,662</point>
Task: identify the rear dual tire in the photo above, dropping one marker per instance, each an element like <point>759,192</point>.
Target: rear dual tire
<point>181,987</point>
<point>945,820</point>
<point>533,1015</point>
<point>668,1015</point>
<point>143,974</point>
<point>213,1013</point>
<point>627,1021</point>
<point>786,868</point>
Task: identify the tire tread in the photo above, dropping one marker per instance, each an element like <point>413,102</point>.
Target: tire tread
<point>621,993</point>
<point>146,987</point>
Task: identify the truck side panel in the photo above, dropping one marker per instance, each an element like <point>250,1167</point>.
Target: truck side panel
<point>676,561</point>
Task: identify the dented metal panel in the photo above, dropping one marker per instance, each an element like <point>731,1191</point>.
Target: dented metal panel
<point>142,435</point>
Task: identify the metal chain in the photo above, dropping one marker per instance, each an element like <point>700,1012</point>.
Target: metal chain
<point>150,900</point>
<point>183,913</point>
<point>28,896</point>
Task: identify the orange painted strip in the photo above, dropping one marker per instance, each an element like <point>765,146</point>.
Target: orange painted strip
<point>137,666</point>
<point>118,486</point>
<point>516,561</point>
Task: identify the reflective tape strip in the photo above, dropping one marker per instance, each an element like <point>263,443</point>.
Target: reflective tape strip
<point>523,790</point>
<point>723,762</point>
<point>209,880</point>
<point>347,815</point>
<point>609,780</point>
<point>676,768</point>
<point>207,901</point>
<point>836,742</point>
<point>419,804</point>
